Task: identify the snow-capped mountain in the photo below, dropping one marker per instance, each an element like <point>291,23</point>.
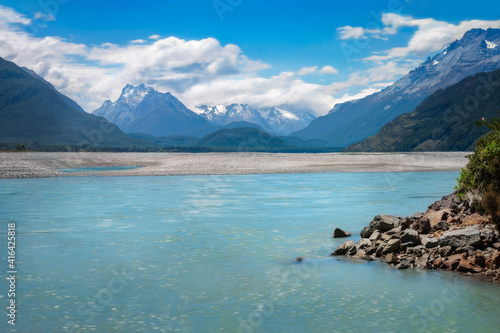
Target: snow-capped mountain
<point>284,122</point>
<point>350,122</point>
<point>277,121</point>
<point>143,109</point>
<point>222,115</point>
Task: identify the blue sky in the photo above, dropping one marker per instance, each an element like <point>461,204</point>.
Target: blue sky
<point>303,56</point>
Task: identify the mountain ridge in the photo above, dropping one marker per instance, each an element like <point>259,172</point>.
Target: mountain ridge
<point>354,121</point>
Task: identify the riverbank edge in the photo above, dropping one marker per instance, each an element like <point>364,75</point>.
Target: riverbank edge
<point>451,235</point>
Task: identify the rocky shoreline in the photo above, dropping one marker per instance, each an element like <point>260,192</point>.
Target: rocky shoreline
<point>450,235</point>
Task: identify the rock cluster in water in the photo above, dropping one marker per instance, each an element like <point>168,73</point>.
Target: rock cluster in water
<point>449,235</point>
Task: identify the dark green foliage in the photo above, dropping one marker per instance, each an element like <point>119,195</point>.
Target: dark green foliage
<point>445,121</point>
<point>21,147</point>
<point>482,173</point>
<point>32,112</point>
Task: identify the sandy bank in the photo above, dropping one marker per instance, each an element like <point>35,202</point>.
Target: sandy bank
<point>32,165</point>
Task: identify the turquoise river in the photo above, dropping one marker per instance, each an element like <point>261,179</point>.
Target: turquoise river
<point>217,254</point>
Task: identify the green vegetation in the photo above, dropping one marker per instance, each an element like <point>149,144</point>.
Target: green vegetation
<point>482,173</point>
<point>445,121</point>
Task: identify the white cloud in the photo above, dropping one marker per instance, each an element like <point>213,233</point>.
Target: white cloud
<point>44,17</point>
<point>349,32</point>
<point>307,70</point>
<point>11,16</point>
<point>431,35</point>
<point>204,71</point>
<point>328,70</point>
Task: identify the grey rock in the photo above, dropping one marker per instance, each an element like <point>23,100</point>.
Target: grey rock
<point>410,236</point>
<point>488,235</point>
<point>445,251</point>
<point>364,243</point>
<point>468,236</point>
<point>404,264</point>
<point>348,247</point>
<point>421,262</point>
<point>405,223</point>
<point>375,236</point>
<point>416,250</point>
<point>429,242</point>
<point>392,246</point>
<point>381,223</point>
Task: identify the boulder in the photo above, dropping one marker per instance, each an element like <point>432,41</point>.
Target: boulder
<point>421,262</point>
<point>445,251</point>
<point>494,261</point>
<point>404,264</point>
<point>405,223</point>
<point>437,216</point>
<point>375,236</point>
<point>429,242</point>
<point>452,261</point>
<point>392,246</point>
<point>410,236</point>
<point>423,226</point>
<point>364,243</point>
<point>416,250</point>
<point>339,233</point>
<point>441,226</point>
<point>381,223</point>
<point>390,258</point>
<point>447,202</point>
<point>468,236</point>
<point>488,235</point>
<point>466,267</point>
<point>348,247</point>
<point>475,219</point>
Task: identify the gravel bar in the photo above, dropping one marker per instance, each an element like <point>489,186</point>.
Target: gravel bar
<point>40,164</point>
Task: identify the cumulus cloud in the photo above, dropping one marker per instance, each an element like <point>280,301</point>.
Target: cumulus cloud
<point>307,70</point>
<point>430,35</point>
<point>205,71</point>
<point>328,70</point>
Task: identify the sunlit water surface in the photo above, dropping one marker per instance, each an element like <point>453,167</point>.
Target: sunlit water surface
<point>216,254</point>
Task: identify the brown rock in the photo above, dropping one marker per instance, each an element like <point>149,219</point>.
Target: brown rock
<point>466,267</point>
<point>453,261</point>
<point>437,262</point>
<point>437,216</point>
<point>494,261</point>
<point>423,226</point>
<point>478,260</point>
<point>475,219</point>
<point>390,258</point>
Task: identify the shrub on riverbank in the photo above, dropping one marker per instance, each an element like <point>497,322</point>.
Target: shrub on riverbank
<point>482,174</point>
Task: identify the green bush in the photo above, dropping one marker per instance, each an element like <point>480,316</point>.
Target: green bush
<point>482,173</point>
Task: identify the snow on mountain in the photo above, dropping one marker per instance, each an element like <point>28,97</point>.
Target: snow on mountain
<point>284,122</point>
<point>274,120</point>
<point>354,121</point>
<point>143,109</point>
<point>223,115</point>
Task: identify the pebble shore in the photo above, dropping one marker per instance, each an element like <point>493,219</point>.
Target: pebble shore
<point>40,164</point>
